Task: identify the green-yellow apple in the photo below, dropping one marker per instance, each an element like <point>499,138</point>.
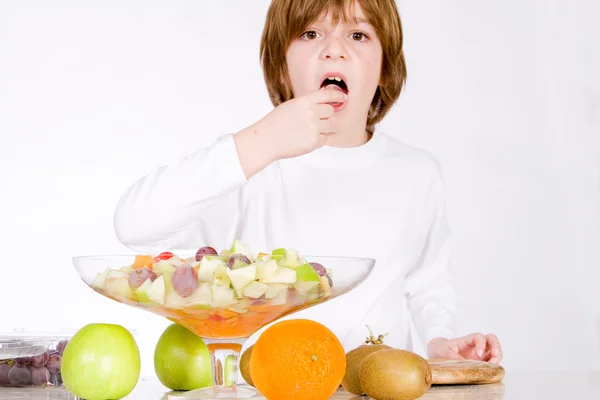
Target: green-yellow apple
<point>101,361</point>
<point>182,360</point>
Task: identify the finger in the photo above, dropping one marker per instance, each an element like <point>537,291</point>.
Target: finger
<point>324,96</point>
<point>475,340</point>
<point>495,349</point>
<point>480,343</point>
<point>325,126</point>
<point>325,111</point>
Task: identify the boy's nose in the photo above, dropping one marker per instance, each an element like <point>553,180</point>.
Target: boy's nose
<point>334,48</point>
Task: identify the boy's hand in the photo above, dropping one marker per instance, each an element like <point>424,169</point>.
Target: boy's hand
<point>475,346</point>
<point>292,129</point>
<point>300,125</point>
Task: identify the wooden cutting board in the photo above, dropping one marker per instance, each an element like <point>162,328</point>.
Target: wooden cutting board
<point>464,372</point>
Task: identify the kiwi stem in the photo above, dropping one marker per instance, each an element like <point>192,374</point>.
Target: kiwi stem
<point>371,339</point>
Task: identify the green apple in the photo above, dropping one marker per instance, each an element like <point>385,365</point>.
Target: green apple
<point>208,266</point>
<point>222,276</point>
<point>98,282</point>
<point>291,259</point>
<point>101,361</point>
<point>156,291</point>
<point>307,273</point>
<point>201,296</point>
<point>182,360</point>
<point>279,299</point>
<point>241,277</point>
<point>255,289</point>
<point>142,292</point>
<point>118,287</point>
<point>266,269</point>
<point>222,296</point>
<point>239,247</point>
<point>128,269</point>
<point>304,287</point>
<point>274,289</point>
<point>278,254</point>
<point>282,275</point>
<point>325,287</point>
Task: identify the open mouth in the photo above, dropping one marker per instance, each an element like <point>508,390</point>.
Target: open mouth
<point>335,82</point>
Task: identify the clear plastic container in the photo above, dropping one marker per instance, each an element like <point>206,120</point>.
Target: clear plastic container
<point>31,359</point>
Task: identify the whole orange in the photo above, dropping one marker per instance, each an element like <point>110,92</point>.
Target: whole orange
<point>297,360</point>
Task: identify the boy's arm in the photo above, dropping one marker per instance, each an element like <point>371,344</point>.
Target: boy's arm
<point>431,298</point>
<point>163,210</point>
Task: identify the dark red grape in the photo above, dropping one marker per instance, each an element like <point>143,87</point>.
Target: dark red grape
<point>319,268</point>
<point>139,276</point>
<point>237,260</point>
<point>39,361</point>
<point>23,361</point>
<point>19,376</point>
<point>205,251</point>
<point>330,281</point>
<point>185,280</point>
<point>53,363</point>
<point>4,368</point>
<point>60,347</point>
<point>39,376</point>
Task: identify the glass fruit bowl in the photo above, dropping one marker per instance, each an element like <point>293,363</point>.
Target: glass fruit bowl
<point>224,297</point>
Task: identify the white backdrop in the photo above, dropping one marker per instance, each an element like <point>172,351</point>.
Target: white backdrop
<point>506,94</point>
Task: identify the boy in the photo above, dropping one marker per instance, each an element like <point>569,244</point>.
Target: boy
<point>314,175</point>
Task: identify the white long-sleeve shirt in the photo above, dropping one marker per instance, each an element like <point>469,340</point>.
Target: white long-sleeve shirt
<point>382,200</point>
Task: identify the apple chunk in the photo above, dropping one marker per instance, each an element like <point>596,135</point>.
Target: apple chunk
<point>255,289</point>
<point>282,275</point>
<point>241,277</point>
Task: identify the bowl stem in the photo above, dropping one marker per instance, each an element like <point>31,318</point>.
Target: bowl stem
<point>224,355</point>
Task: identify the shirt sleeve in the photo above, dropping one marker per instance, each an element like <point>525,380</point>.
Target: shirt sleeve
<point>171,207</point>
<point>430,295</point>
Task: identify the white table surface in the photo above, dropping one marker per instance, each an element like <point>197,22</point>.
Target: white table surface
<point>538,385</point>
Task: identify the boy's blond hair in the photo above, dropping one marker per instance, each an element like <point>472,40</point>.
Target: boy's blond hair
<point>288,19</point>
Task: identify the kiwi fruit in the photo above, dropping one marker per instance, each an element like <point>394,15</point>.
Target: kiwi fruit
<point>351,381</point>
<point>245,365</point>
<point>395,375</point>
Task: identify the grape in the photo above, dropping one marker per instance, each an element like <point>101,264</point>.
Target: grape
<point>319,268</point>
<point>206,250</point>
<point>53,363</point>
<point>23,361</point>
<point>185,280</point>
<point>4,368</point>
<point>239,258</point>
<point>139,276</point>
<point>330,281</point>
<point>60,347</point>
<point>19,376</point>
<point>56,379</point>
<point>39,376</point>
<point>39,361</point>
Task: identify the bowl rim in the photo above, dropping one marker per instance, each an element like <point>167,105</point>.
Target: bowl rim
<point>187,255</point>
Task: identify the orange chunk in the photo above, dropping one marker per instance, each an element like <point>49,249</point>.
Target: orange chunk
<point>142,261</point>
<point>227,313</point>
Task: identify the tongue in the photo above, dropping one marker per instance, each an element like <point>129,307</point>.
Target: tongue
<point>334,87</point>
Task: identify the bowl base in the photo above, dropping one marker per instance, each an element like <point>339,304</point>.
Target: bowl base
<point>238,392</point>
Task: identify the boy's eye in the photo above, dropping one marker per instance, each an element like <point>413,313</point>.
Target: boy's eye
<point>309,35</point>
<point>359,36</point>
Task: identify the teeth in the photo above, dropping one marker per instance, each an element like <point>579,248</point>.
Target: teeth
<point>334,78</point>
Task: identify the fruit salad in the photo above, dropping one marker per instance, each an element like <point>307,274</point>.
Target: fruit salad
<point>218,286</point>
